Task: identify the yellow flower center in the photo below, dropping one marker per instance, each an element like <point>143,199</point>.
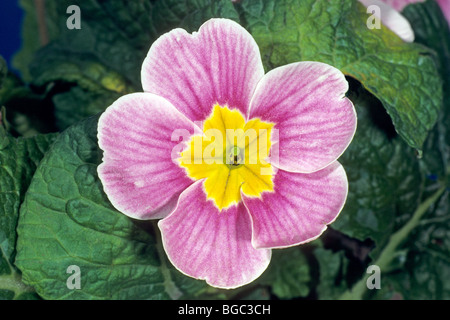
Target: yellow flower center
<point>231,157</point>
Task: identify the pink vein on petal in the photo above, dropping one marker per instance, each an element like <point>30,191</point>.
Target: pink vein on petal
<point>220,63</point>
<point>137,172</point>
<point>205,244</point>
<point>307,103</point>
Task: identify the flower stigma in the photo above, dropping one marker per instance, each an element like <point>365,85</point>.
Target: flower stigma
<point>231,157</point>
<point>235,158</point>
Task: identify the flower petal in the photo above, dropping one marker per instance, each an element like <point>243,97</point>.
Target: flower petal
<point>300,208</point>
<point>399,5</point>
<point>315,121</point>
<point>392,18</point>
<point>138,174</point>
<point>220,64</point>
<point>205,244</point>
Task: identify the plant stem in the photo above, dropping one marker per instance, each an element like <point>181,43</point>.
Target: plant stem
<point>42,24</point>
<point>388,253</point>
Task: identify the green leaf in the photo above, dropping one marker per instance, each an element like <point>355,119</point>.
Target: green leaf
<point>383,173</point>
<point>425,267</point>
<point>78,104</point>
<point>190,15</point>
<point>66,219</point>
<point>18,161</point>
<point>403,76</point>
<point>431,29</point>
<point>288,274</point>
<point>116,36</point>
<point>103,58</point>
<point>419,264</point>
<point>38,27</point>
<point>332,268</point>
<point>426,270</point>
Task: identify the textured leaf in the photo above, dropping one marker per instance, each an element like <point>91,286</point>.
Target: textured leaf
<point>288,274</point>
<point>424,268</point>
<point>383,175</point>
<point>427,263</point>
<point>67,220</point>
<point>18,161</point>
<point>431,29</point>
<point>31,36</point>
<point>104,57</point>
<point>190,14</point>
<point>401,75</point>
<point>332,268</point>
<point>78,104</point>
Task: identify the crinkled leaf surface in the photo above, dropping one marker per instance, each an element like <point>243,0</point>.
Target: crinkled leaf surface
<point>383,174</point>
<point>288,274</point>
<point>31,37</point>
<point>104,57</point>
<point>332,268</point>
<point>106,54</point>
<point>384,190</point>
<point>18,161</point>
<point>432,30</point>
<point>401,75</point>
<point>67,220</point>
<point>423,271</point>
<point>420,267</point>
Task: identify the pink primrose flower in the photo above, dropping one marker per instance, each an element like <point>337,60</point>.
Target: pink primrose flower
<point>399,5</point>
<point>235,162</point>
<point>391,18</point>
<point>389,14</point>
